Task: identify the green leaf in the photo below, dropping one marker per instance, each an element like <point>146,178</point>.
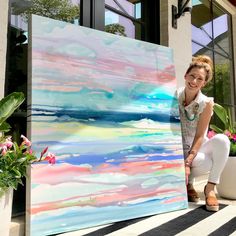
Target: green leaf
<point>9,104</point>
<point>232,149</point>
<point>216,129</point>
<point>22,159</point>
<point>18,174</point>
<point>5,127</point>
<point>221,112</point>
<point>231,125</point>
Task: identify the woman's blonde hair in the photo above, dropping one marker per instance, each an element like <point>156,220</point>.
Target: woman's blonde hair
<point>202,61</point>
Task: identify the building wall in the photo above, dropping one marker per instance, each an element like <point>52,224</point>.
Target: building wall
<point>3,44</point>
<point>178,39</point>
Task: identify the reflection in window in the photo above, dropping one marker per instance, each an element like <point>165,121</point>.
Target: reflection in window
<point>65,10</point>
<point>211,33</point>
<point>120,25</point>
<point>20,12</point>
<point>222,80</point>
<point>123,17</point>
<point>202,34</point>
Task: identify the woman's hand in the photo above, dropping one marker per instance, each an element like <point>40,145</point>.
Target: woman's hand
<point>187,163</point>
<point>187,173</point>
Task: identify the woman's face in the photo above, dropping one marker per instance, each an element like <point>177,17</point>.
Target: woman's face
<point>195,79</point>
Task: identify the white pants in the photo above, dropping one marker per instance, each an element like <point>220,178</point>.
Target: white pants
<point>211,158</point>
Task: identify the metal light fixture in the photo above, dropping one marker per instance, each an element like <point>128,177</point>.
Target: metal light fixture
<point>177,12</point>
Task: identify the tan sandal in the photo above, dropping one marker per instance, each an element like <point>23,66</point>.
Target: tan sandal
<point>192,195</point>
<point>211,202</point>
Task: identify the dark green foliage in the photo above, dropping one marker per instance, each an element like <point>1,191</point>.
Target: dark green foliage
<point>115,29</point>
<point>225,125</point>
<point>56,9</point>
<point>7,106</point>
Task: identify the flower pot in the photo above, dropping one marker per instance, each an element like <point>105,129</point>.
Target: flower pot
<point>5,212</point>
<point>227,187</point>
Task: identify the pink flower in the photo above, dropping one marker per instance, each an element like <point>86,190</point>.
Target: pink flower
<point>43,152</point>
<point>30,152</point>
<point>51,158</point>
<point>15,160</point>
<point>210,134</point>
<point>234,137</point>
<point>26,141</point>
<point>227,133</point>
<point>4,150</point>
<point>8,142</point>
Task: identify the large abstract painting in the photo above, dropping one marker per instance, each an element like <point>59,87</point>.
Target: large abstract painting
<point>106,106</point>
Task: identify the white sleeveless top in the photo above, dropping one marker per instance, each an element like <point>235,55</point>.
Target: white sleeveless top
<point>189,117</point>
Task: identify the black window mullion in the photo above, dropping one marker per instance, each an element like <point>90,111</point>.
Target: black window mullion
<point>92,14</point>
<point>151,14</point>
<point>98,14</point>
<point>85,13</point>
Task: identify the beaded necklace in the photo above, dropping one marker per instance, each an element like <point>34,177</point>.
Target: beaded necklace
<point>188,118</point>
<point>195,109</point>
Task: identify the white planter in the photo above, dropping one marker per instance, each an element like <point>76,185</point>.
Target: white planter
<point>227,186</point>
<point>5,212</point>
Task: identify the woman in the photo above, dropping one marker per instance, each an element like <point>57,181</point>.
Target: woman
<point>202,155</point>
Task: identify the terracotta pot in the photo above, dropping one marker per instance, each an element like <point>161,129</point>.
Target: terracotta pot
<point>5,212</point>
<point>227,186</point>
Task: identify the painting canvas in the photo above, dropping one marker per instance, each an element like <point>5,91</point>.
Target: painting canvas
<point>106,106</point>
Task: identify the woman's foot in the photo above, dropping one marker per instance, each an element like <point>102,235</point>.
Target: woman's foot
<point>192,194</point>
<point>210,197</point>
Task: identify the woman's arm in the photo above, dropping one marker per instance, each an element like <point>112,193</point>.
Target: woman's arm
<point>202,127</point>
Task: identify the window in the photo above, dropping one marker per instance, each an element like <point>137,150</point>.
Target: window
<point>211,35</point>
<point>20,11</point>
<point>124,18</point>
<point>138,19</point>
<point>16,75</point>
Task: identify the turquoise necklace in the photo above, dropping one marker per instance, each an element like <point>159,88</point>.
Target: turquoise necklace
<point>195,109</point>
<point>188,118</point>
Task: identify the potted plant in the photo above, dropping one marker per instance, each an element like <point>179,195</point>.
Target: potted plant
<point>226,187</point>
<point>225,126</point>
<point>14,159</point>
